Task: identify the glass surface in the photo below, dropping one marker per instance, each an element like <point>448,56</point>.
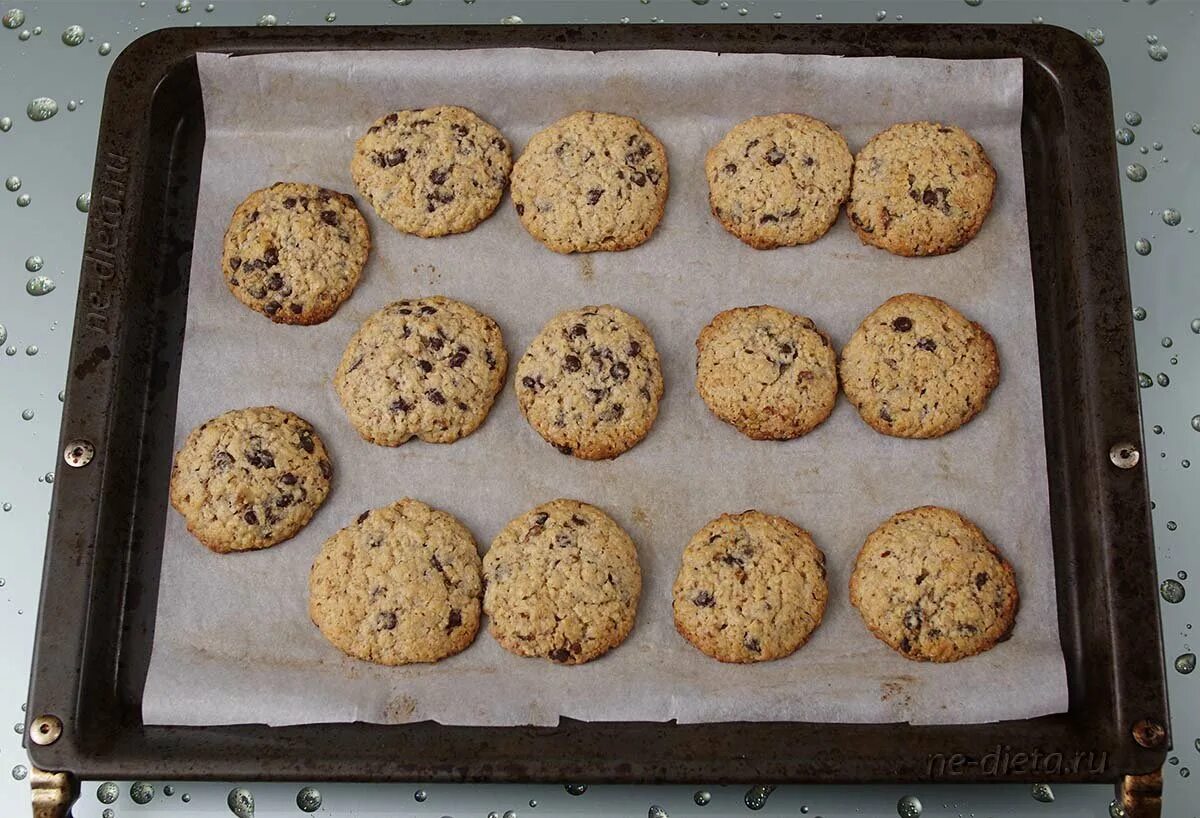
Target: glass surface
<point>1152,52</point>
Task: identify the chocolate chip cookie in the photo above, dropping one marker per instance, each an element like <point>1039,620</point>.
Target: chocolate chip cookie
<point>778,180</point>
<point>917,368</point>
<point>401,584</point>
<point>929,584</point>
<point>920,189</point>
<point>590,382</point>
<point>751,588</point>
<point>432,171</point>
<point>770,374</point>
<point>591,181</point>
<point>250,478</point>
<point>294,252</point>
<point>562,582</point>
<point>424,367</point>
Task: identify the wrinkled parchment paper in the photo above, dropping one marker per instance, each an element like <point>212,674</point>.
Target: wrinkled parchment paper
<point>234,642</point>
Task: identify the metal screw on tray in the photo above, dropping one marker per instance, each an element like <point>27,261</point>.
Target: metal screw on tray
<point>1149,734</point>
<point>1124,455</point>
<point>45,730</point>
<point>79,453</point>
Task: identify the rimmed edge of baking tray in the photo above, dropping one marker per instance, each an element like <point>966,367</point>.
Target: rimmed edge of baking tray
<point>100,584</point>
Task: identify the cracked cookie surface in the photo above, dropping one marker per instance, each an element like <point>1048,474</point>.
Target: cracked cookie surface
<point>751,588</point>
<point>770,374</point>
<point>591,181</point>
<point>778,180</point>
<point>432,171</point>
<point>423,367</point>
<point>916,367</point>
<point>590,382</point>
<point>562,582</point>
<point>250,478</point>
<point>920,189</point>
<point>295,252</point>
<point>401,584</point>
<point>930,584</point>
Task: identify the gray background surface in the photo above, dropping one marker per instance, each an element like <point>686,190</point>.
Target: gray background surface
<point>54,160</point>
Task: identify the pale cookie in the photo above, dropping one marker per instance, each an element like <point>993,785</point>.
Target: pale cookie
<point>424,367</point>
<point>917,368</point>
<point>591,181</point>
<point>929,584</point>
<point>399,585</point>
<point>778,180</point>
<point>920,189</point>
<point>250,478</point>
<point>751,588</point>
<point>590,382</point>
<point>294,252</point>
<point>432,171</point>
<point>770,374</point>
<point>562,582</point>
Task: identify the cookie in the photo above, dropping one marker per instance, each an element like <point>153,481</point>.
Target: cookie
<point>591,181</point>
<point>424,367</point>
<point>250,478</point>
<point>778,180</point>
<point>401,584</point>
<point>770,374</point>
<point>917,368</point>
<point>562,582</point>
<point>590,382</point>
<point>432,171</point>
<point>751,588</point>
<point>294,252</point>
<point>929,584</point>
<point>920,189</point>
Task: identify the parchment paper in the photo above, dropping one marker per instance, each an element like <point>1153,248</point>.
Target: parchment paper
<point>234,642</point>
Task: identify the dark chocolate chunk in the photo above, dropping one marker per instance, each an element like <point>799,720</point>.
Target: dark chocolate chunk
<point>704,599</point>
<point>385,620</point>
<point>435,397</point>
<point>902,323</point>
<point>927,344</point>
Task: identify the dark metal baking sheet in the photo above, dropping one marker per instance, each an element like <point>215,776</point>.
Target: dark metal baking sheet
<point>96,621</point>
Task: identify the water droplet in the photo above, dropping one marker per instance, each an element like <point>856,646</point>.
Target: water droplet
<point>210,8</point>
<point>1094,36</point>
<point>1172,590</point>
<point>168,790</point>
<point>778,15</point>
<point>1184,772</point>
<point>702,798</point>
<point>1185,662</point>
<point>141,792</point>
<point>27,414</point>
<point>402,2</point>
<point>308,799</point>
<point>1166,341</point>
<point>10,350</point>
<point>419,796</point>
<point>1171,216</point>
<point>743,11</point>
<point>510,814</point>
<point>1171,525</point>
<point>1182,574</point>
<point>39,285</point>
<point>331,17</point>
<point>1037,21</point>
<point>13,183</point>
<point>83,202</point>
<point>1196,422</point>
<point>1143,150</point>
<point>33,263</point>
<point>13,18</point>
<point>186,797</point>
<point>1139,313</point>
<point>40,109</point>
<point>37,31</point>
<point>1157,52</point>
<point>1043,793</point>
<point>1144,380</point>
<point>5,124</point>
<point>881,15</point>
<point>1136,172</point>
<point>183,6</point>
<point>1158,146</point>
<point>656,811</point>
<point>580,789</point>
<point>724,5</point>
<point>3,333</point>
<point>73,35</point>
<point>756,797</point>
<point>23,200</point>
<point>973,3</point>
<point>105,49</point>
<point>1124,136</point>
<point>267,20</point>
<point>909,807</point>
<point>62,395</point>
<point>1152,38</point>
<point>1133,118</point>
<point>1157,429</point>
<point>24,35</point>
<point>240,802</point>
<point>819,17</point>
<point>511,20</point>
<point>6,507</point>
<point>1142,247</point>
<point>700,2</point>
<point>108,813</point>
<point>20,771</point>
<point>1162,379</point>
<point>49,478</point>
<point>804,809</point>
<point>624,20</point>
<point>19,728</point>
<point>31,350</point>
<point>533,802</point>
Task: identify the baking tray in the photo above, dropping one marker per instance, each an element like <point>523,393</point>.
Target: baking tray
<point>99,596</point>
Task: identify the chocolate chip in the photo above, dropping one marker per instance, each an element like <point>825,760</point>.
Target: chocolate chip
<point>435,343</point>
<point>635,349</point>
<point>373,129</point>
<point>774,157</point>
<point>287,478</point>
<point>921,577</point>
<point>363,516</point>
<point>462,406</point>
<point>490,358</point>
<point>385,620</point>
<point>730,168</point>
<point>577,331</point>
<point>927,344</point>
<point>520,209</point>
<point>396,157</point>
<point>767,218</point>
<point>295,308</point>
<point>254,217</point>
<point>435,397</point>
<point>271,257</point>
<point>731,559</point>
<point>613,413</point>
<point>638,179</point>
<point>329,217</point>
<point>885,415</point>
<point>928,197</point>
<point>457,359</point>
<point>282,501</point>
<point>980,580</point>
<point>786,350</point>
<point>808,161</point>
<point>391,119</point>
<point>422,122</point>
<point>459,129</point>
<point>377,159</point>
<point>749,145</point>
<point>528,382</point>
<point>653,175</point>
<point>575,518</point>
<point>306,441</point>
<point>439,176</point>
<point>260,459</point>
<point>704,599</point>
<point>271,307</point>
<point>620,371</point>
<point>428,310</point>
<point>943,130</point>
<point>905,645</point>
<point>289,202</point>
<point>564,448</point>
<point>571,363</point>
<point>751,644</point>
<point>913,619</point>
<point>594,195</point>
<point>326,468</point>
<point>902,323</point>
<point>426,367</point>
<point>454,621</point>
<point>235,263</point>
<point>400,405</point>
<point>222,461</point>
<point>275,282</point>
<point>250,517</point>
<point>560,655</point>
